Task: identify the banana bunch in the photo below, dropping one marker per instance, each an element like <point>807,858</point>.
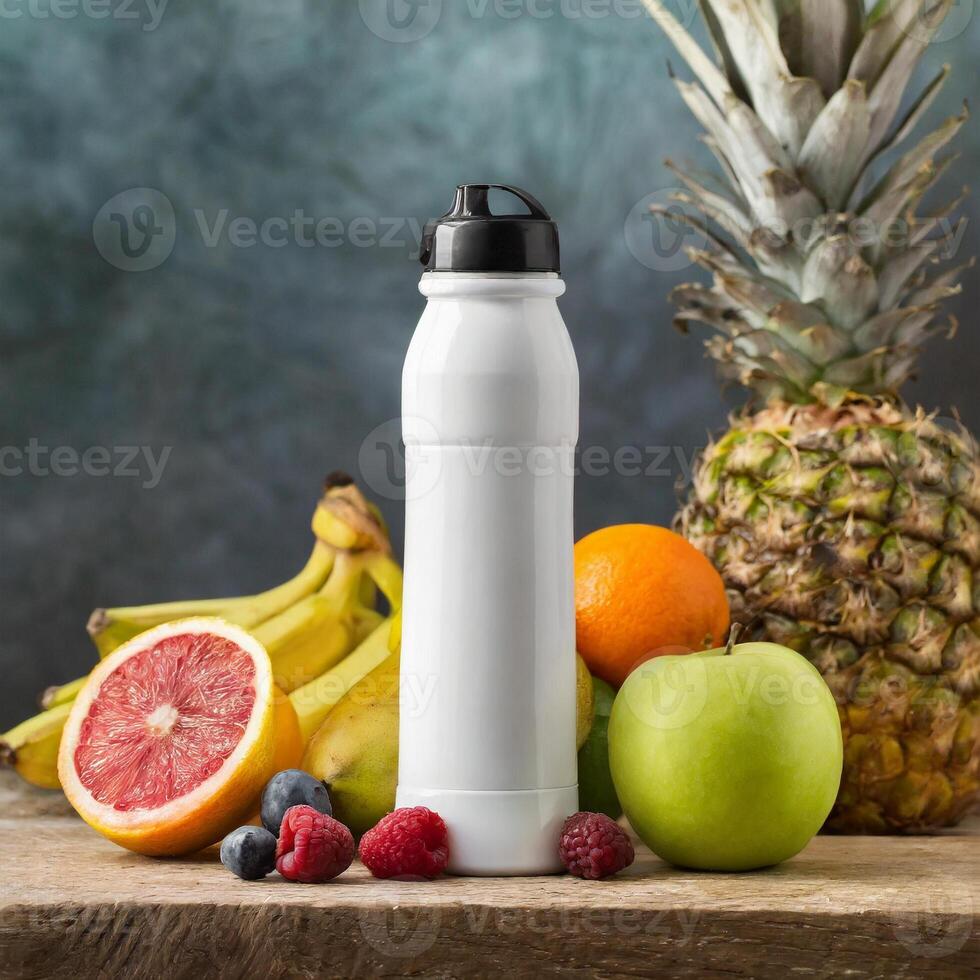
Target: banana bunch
<point>321,628</point>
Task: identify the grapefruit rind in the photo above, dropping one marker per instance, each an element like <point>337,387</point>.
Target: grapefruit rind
<point>290,744</point>
<point>219,803</point>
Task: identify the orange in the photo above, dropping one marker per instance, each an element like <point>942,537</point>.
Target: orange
<point>640,591</point>
<point>170,742</point>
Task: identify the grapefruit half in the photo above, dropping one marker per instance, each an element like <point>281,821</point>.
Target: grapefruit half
<point>169,744</point>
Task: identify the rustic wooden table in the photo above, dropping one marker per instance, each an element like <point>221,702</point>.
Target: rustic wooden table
<point>73,905</point>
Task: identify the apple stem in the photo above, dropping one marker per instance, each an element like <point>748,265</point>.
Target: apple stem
<point>732,637</point>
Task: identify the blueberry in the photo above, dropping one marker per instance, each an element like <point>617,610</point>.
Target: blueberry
<point>292,787</point>
<point>249,852</point>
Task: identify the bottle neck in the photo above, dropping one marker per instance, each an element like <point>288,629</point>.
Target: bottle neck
<point>542,285</point>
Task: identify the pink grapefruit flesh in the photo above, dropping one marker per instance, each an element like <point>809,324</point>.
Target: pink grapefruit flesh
<point>170,741</point>
<point>165,721</point>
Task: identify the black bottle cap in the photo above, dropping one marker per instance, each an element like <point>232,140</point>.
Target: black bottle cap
<point>469,238</point>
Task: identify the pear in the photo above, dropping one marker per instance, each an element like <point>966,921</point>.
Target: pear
<point>355,750</point>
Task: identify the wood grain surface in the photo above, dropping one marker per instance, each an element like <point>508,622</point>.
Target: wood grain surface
<point>74,905</point>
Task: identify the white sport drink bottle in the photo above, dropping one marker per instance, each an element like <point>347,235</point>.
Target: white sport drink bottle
<point>490,422</point>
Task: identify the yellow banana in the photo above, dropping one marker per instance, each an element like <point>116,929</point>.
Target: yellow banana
<point>386,573</point>
<point>367,594</point>
<point>395,636</point>
<point>314,634</point>
<point>309,637</point>
<point>344,519</point>
<point>32,747</point>
<point>366,621</point>
<point>315,639</point>
<point>308,624</point>
<point>62,693</point>
<point>314,700</point>
<point>109,628</point>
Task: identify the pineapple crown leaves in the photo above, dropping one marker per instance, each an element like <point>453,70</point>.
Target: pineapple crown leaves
<point>824,277</point>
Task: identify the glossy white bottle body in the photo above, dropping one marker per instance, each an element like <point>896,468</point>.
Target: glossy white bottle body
<point>490,422</point>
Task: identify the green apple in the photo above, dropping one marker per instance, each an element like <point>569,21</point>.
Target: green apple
<point>726,760</point>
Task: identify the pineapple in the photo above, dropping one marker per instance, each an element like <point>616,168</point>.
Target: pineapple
<point>846,525</point>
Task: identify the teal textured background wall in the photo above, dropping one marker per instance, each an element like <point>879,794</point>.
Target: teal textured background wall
<point>263,366</point>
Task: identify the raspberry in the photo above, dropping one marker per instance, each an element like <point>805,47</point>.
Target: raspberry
<point>312,846</point>
<point>593,846</point>
<point>411,841</point>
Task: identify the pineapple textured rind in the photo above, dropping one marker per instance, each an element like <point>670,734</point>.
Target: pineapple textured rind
<point>844,524</point>
<point>854,538</point>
